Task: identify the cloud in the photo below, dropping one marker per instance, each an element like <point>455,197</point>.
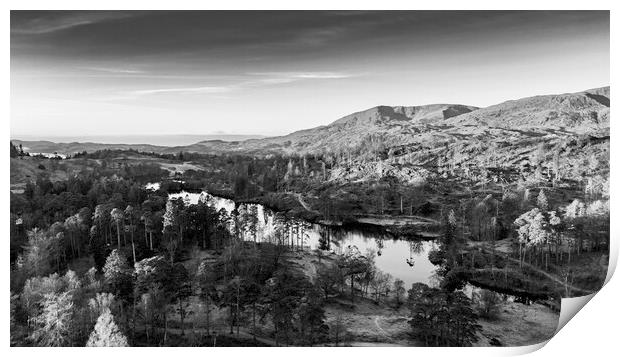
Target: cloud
<point>321,36</point>
<point>203,90</point>
<point>305,75</point>
<point>114,70</point>
<point>44,22</point>
<point>289,77</point>
<point>255,80</point>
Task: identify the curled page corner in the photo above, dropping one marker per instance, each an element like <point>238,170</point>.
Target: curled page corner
<point>613,261</point>
<point>523,350</point>
<point>570,307</point>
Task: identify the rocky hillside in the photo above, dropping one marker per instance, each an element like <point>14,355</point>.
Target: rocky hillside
<point>581,113</point>
<point>352,130</point>
<point>537,138</point>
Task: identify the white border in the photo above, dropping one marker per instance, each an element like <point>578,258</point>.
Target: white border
<point>592,331</point>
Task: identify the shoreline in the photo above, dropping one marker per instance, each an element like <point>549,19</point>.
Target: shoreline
<point>405,226</point>
<point>400,228</point>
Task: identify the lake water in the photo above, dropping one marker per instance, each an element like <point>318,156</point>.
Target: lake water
<point>48,155</point>
<point>402,259</point>
<point>405,260</point>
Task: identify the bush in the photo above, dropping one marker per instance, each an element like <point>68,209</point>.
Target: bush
<point>436,257</point>
<point>488,304</point>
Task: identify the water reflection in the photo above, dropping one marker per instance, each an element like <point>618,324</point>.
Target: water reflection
<point>474,292</point>
<point>405,260</point>
<point>395,257</point>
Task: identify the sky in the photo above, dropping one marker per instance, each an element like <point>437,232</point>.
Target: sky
<point>84,73</point>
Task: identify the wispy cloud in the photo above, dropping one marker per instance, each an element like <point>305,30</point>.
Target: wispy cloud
<point>304,75</point>
<point>321,36</point>
<point>201,90</point>
<point>37,29</point>
<point>38,23</point>
<point>114,70</point>
<point>254,80</point>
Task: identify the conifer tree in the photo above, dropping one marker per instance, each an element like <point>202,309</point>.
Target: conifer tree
<point>106,333</point>
<point>54,324</point>
<point>542,201</point>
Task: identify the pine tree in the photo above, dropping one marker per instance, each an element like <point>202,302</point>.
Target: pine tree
<point>118,275</point>
<point>118,217</point>
<point>97,247</point>
<point>542,201</point>
<point>115,266</point>
<point>54,324</point>
<point>106,333</point>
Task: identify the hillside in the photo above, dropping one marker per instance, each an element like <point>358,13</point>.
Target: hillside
<point>580,113</point>
<point>351,130</point>
<point>563,115</point>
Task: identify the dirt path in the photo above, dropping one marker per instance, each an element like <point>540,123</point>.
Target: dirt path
<point>540,271</point>
<point>381,328</point>
<point>305,205</point>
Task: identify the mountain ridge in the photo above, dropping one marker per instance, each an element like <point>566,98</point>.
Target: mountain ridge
<point>579,113</point>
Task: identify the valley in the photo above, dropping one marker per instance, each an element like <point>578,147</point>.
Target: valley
<point>359,232</point>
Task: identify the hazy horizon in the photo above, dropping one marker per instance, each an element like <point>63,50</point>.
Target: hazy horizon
<point>157,139</point>
<point>108,73</point>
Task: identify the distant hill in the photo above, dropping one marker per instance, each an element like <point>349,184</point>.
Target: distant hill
<point>583,112</point>
<point>559,115</point>
<point>570,114</point>
<point>41,146</point>
<point>138,140</point>
<point>351,130</point>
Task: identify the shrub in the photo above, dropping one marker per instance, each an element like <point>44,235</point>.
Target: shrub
<point>488,304</point>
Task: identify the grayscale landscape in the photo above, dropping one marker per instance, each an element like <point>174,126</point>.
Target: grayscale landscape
<point>328,204</point>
